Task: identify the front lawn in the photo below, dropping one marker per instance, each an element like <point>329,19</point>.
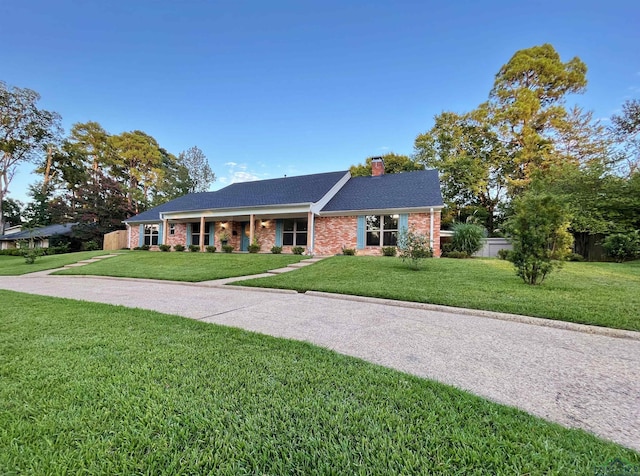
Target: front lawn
<point>603,294</point>
<point>90,388</point>
<point>192,267</point>
<point>15,265</point>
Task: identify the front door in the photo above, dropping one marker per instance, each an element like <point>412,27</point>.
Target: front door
<point>244,236</point>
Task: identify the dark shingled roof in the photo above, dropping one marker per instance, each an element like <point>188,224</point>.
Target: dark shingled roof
<point>390,191</point>
<point>281,191</point>
<point>43,232</point>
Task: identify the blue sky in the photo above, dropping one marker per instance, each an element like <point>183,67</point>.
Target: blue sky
<point>277,88</point>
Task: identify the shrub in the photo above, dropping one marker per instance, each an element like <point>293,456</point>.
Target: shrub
<point>622,246</point>
<point>210,249</point>
<point>446,247</point>
<point>575,257</point>
<point>389,250</point>
<point>178,247</point>
<point>164,247</point>
<point>297,250</point>
<point>137,248</point>
<point>11,252</point>
<point>467,238</point>
<point>413,248</point>
<point>505,254</point>
<point>31,254</point>
<point>254,247</point>
<point>455,254</point>
<point>540,236</point>
<point>276,250</point>
<point>194,248</point>
<point>93,245</point>
<point>227,248</point>
<point>145,247</point>
<point>348,251</point>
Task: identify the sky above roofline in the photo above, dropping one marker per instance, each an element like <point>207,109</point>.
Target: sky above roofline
<point>268,89</point>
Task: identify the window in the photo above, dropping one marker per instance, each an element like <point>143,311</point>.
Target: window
<point>195,234</point>
<point>294,233</point>
<point>172,228</point>
<point>151,233</point>
<point>382,226</point>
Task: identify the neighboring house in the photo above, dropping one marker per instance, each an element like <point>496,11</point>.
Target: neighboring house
<point>322,213</point>
<point>40,236</point>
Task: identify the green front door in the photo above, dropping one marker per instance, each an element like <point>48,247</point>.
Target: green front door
<point>244,238</point>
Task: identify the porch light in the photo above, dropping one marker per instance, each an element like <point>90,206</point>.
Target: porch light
<point>263,224</point>
<point>223,225</point>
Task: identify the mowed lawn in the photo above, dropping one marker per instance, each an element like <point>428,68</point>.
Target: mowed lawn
<point>184,266</point>
<point>15,265</point>
<point>90,388</point>
<point>602,294</point>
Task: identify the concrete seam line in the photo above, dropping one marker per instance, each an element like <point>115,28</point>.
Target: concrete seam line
<point>535,321</point>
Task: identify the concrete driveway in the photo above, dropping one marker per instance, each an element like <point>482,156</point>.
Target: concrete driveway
<point>574,378</point>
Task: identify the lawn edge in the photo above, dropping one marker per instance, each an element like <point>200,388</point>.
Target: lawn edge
<point>502,316</point>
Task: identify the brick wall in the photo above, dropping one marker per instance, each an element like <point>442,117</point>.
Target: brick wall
<point>134,237</point>
<point>179,237</point>
<point>420,222</point>
<point>332,233</point>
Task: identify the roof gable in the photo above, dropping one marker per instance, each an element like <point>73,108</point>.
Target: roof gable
<point>272,192</point>
<point>418,189</point>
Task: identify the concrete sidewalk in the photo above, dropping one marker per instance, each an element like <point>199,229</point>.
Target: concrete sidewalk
<point>577,379</point>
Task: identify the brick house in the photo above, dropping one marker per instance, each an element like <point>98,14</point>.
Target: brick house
<point>321,212</point>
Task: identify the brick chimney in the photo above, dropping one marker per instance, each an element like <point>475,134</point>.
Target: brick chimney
<point>377,166</point>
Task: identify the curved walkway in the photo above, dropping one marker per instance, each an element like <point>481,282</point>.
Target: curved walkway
<point>577,379</point>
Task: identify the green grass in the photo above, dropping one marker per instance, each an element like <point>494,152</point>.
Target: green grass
<point>90,388</point>
<point>602,294</point>
<point>15,265</point>
<point>192,267</point>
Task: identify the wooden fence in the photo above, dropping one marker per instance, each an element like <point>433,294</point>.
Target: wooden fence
<point>115,240</point>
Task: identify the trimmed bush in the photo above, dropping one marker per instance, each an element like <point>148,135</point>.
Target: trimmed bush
<point>389,250</point>
<point>455,254</point>
<point>276,250</point>
<point>348,251</point>
<point>413,248</point>
<point>178,247</point>
<point>164,248</point>
<point>194,248</point>
<point>575,257</point>
<point>622,246</point>
<point>210,249</point>
<point>467,238</point>
<point>227,248</point>
<point>297,250</point>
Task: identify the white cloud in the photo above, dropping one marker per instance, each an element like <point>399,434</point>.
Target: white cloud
<point>237,173</point>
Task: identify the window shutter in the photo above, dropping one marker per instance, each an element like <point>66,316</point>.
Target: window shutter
<point>403,222</point>
<point>160,230</point>
<point>212,230</point>
<point>188,234</point>
<point>362,229</point>
<point>141,235</point>
<point>278,232</point>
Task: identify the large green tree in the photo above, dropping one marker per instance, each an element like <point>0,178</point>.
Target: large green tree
<point>393,164</point>
<point>474,165</point>
<point>25,132</point>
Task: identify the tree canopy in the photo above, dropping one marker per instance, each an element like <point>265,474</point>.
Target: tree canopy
<point>393,164</point>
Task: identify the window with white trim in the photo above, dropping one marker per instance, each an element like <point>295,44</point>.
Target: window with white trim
<point>172,228</point>
<point>195,234</point>
<point>294,232</point>
<point>382,230</point>
<point>151,233</point>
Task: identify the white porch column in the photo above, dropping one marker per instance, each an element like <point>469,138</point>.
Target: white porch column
<point>310,231</point>
<point>165,231</point>
<point>202,245</point>
<point>252,226</point>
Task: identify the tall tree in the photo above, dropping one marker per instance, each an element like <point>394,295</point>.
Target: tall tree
<point>12,211</point>
<point>176,183</point>
<point>393,164</point>
<point>91,141</point>
<point>526,105</point>
<point>25,131</point>
<point>626,128</point>
<point>138,162</point>
<point>200,173</point>
<point>474,165</point>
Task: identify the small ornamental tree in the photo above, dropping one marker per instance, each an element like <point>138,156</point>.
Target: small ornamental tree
<point>467,237</point>
<point>539,233</point>
<point>413,248</point>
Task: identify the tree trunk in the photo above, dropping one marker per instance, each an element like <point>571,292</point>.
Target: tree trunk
<point>47,170</point>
